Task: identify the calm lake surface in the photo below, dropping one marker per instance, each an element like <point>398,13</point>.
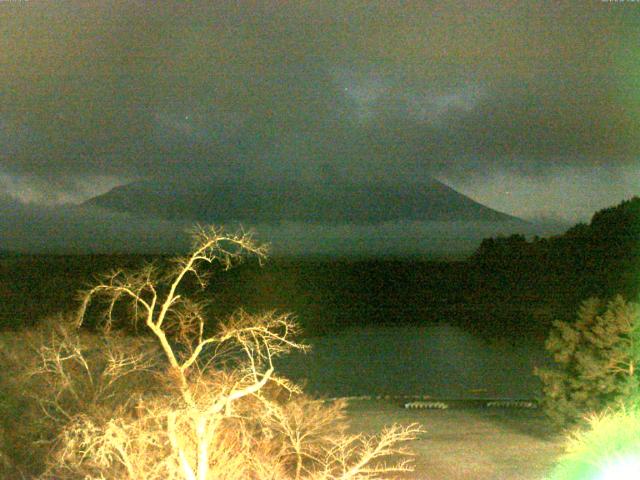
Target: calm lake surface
<point>439,360</point>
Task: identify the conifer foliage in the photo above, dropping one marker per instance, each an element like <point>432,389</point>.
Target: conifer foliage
<point>597,360</point>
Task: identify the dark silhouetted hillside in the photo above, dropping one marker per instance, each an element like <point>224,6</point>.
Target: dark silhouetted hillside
<point>274,202</point>
<point>601,258</point>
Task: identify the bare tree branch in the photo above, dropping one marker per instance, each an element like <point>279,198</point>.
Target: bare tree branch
<point>218,411</point>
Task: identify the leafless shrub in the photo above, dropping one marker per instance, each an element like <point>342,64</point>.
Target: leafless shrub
<point>191,404</point>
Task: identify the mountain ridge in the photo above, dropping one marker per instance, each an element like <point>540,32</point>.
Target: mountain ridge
<point>340,202</point>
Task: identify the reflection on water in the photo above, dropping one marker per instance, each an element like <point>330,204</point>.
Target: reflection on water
<point>437,360</point>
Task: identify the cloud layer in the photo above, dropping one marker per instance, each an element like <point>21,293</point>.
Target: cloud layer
<point>98,94</point>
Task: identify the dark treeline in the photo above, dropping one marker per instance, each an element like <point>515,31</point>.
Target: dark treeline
<point>324,294</point>
<point>509,285</point>
<point>601,259</point>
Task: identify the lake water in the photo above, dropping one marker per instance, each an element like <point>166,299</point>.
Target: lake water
<point>439,360</point>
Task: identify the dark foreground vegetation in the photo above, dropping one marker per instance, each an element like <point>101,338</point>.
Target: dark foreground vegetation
<point>600,259</point>
<point>325,294</point>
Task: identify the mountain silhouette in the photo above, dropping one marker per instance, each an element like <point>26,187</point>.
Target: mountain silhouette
<point>340,202</point>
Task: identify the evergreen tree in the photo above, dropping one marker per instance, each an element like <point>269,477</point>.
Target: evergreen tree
<point>597,360</point>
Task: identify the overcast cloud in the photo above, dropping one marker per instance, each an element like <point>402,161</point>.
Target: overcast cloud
<point>517,104</point>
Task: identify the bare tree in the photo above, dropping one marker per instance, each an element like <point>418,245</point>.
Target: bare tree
<point>216,409</point>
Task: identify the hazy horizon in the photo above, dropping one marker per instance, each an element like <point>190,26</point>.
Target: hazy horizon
<point>91,228</point>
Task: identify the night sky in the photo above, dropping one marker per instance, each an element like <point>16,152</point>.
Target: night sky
<point>531,108</point>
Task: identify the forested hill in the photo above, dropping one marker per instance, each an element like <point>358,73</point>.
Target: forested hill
<point>601,258</point>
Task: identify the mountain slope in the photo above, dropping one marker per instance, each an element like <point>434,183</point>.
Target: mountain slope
<point>274,202</point>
